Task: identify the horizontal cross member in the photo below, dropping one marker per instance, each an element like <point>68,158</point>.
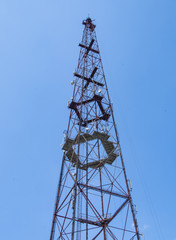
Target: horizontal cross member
<point>105,116</point>
<point>81,220</point>
<point>99,223</point>
<point>88,49</point>
<point>89,79</point>
<point>103,190</point>
<point>96,98</point>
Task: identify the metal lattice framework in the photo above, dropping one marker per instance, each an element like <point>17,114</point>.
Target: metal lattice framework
<point>94,199</point>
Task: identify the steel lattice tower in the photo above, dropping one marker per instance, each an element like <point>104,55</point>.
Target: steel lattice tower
<point>93,199</point>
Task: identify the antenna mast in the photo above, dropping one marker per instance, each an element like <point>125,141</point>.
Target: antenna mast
<point>93,199</point>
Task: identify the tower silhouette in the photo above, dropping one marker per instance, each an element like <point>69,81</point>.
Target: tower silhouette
<point>94,196</point>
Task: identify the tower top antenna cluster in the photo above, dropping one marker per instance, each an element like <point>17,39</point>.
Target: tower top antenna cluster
<point>89,23</point>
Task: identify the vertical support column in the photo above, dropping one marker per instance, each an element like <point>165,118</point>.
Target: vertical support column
<point>57,200</point>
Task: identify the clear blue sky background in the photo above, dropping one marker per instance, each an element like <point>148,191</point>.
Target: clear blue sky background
<point>38,54</point>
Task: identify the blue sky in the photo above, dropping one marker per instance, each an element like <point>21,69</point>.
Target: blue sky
<point>39,52</point>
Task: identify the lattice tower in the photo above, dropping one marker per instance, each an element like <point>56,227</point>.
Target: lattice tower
<point>94,198</point>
